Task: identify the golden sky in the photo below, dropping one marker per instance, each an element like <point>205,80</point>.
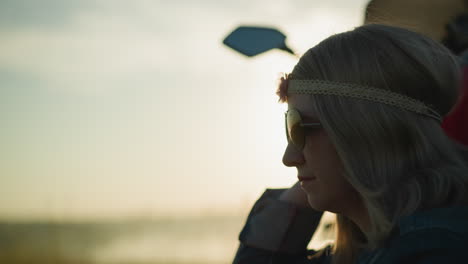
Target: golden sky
<point>135,108</point>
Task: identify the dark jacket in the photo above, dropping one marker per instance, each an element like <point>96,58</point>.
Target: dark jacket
<point>279,232</point>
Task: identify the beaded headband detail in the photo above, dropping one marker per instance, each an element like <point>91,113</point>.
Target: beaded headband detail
<point>362,92</point>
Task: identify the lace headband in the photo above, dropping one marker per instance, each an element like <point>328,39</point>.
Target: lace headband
<point>362,92</point>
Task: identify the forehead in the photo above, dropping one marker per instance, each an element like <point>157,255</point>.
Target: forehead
<point>303,104</point>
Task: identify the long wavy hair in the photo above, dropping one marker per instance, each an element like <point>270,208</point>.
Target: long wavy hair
<point>398,161</point>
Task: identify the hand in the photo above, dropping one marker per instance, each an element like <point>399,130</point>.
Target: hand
<point>295,195</point>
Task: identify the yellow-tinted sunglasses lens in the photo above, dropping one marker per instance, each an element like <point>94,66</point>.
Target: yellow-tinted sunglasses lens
<point>294,131</point>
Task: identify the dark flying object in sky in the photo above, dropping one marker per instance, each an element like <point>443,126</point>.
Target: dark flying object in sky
<point>252,41</point>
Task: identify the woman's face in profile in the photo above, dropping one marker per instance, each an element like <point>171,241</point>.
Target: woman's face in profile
<point>318,164</point>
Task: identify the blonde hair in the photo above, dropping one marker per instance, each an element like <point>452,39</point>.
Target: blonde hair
<point>398,161</point>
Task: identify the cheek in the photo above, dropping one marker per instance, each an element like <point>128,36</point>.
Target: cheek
<point>321,157</point>
<point>331,193</point>
<point>331,190</point>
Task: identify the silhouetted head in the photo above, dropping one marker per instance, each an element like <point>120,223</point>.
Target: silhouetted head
<point>376,95</point>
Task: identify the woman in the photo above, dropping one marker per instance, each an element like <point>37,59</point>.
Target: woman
<point>363,128</point>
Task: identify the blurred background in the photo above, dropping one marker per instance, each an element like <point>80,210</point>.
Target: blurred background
<point>130,134</point>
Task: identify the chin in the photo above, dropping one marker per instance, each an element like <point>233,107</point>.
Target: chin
<point>316,204</point>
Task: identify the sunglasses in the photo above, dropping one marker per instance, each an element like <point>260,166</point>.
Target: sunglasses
<point>296,129</point>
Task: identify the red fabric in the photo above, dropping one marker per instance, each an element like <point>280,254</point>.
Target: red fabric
<point>455,123</point>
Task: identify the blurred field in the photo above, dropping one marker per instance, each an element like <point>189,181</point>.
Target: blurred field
<point>202,240</point>
<point>170,241</point>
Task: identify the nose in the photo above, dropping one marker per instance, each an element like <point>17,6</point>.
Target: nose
<point>293,156</point>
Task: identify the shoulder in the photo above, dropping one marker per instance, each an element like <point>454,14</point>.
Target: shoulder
<point>438,235</point>
<point>427,246</point>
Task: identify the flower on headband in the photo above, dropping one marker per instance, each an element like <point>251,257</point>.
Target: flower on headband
<point>282,90</point>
